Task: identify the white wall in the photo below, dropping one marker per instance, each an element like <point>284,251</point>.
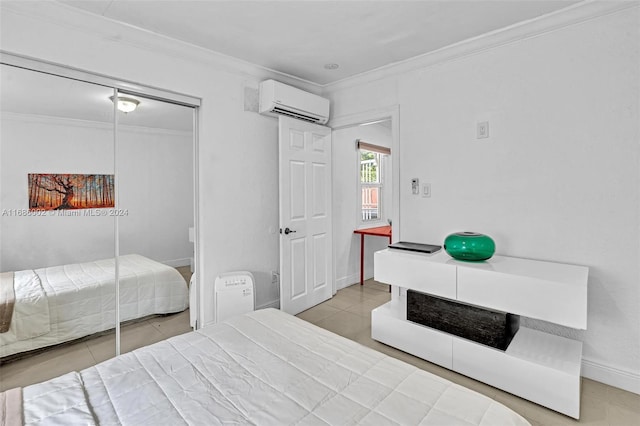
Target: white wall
<point>155,176</point>
<point>557,180</point>
<point>237,154</point>
<point>346,198</point>
<point>47,145</point>
<point>155,190</point>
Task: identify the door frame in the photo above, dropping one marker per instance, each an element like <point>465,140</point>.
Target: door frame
<point>73,73</point>
<point>350,120</point>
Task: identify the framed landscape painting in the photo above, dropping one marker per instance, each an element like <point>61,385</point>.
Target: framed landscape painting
<point>48,191</point>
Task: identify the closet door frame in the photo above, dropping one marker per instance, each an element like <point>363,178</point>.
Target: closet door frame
<point>100,79</point>
<point>127,87</point>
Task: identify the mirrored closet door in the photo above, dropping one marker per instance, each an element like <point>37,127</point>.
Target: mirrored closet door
<point>56,255</point>
<point>97,205</point>
<point>154,158</point>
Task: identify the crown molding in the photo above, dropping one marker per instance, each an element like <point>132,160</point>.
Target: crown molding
<point>91,25</point>
<point>548,23</point>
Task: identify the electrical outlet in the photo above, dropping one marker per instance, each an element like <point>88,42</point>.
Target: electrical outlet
<point>274,277</point>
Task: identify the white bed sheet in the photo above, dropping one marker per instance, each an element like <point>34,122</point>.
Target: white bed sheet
<point>265,368</point>
<point>31,311</point>
<point>81,299</point>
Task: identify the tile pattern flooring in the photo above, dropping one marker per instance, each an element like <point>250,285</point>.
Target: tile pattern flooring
<point>347,314</point>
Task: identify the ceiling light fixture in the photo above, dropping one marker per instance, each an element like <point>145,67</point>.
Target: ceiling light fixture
<point>126,103</point>
<point>331,66</point>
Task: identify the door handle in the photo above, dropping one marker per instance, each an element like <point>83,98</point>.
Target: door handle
<point>288,231</point>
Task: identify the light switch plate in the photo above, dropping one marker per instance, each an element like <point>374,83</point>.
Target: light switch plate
<point>482,131</point>
<point>426,190</point>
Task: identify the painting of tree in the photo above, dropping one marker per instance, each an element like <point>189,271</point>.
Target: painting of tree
<point>70,191</point>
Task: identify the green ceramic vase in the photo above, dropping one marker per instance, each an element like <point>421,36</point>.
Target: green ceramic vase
<point>469,246</point>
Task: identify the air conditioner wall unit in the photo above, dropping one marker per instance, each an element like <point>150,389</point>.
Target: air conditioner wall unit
<point>281,99</point>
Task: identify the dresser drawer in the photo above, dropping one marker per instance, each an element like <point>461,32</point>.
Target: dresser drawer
<point>389,326</point>
<point>537,297</point>
<point>416,271</point>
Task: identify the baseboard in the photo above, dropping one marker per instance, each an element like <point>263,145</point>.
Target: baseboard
<point>347,281</point>
<point>176,263</point>
<point>611,376</point>
<point>273,304</point>
<point>351,279</point>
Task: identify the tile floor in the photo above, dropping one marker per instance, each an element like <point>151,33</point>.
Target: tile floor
<point>347,314</point>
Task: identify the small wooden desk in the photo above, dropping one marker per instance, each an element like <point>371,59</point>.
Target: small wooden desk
<point>379,231</point>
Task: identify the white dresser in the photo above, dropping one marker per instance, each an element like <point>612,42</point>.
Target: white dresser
<point>537,366</point>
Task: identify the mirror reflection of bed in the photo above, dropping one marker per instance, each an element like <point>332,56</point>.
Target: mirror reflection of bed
<point>58,265</point>
<point>62,303</point>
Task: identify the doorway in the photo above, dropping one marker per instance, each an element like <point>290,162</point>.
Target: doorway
<point>365,188</point>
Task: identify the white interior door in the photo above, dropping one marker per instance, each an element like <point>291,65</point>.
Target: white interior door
<point>306,261</point>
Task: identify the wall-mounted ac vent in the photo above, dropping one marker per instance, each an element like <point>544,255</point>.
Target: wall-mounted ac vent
<point>278,98</point>
<point>288,112</point>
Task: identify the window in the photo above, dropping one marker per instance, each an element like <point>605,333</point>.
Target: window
<point>371,171</point>
<point>371,185</point>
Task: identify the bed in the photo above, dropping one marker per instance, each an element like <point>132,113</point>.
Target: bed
<point>262,368</point>
<point>62,303</point>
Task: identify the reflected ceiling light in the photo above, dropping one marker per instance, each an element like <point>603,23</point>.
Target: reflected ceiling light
<point>126,103</point>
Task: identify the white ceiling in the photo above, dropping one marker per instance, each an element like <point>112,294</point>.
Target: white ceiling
<point>291,37</point>
<point>299,37</point>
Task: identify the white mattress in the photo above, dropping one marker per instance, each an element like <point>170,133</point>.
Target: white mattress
<point>263,368</point>
<point>81,300</point>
